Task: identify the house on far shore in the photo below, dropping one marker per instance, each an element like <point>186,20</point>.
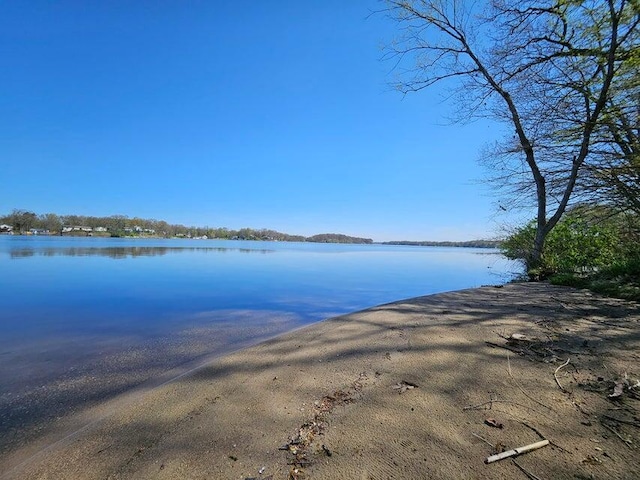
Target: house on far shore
<point>77,230</point>
<point>6,229</point>
<point>38,231</point>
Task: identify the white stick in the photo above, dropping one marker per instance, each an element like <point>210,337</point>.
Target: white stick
<point>516,451</point>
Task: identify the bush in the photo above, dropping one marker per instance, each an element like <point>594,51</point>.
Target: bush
<point>584,250</point>
<point>575,246</point>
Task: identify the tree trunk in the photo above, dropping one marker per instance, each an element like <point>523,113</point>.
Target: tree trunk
<point>534,263</point>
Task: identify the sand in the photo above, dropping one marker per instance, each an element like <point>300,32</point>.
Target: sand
<point>406,390</point>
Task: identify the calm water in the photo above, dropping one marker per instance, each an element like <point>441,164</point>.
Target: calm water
<point>82,319</point>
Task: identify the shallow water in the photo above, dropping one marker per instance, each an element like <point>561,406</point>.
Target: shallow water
<point>82,319</point>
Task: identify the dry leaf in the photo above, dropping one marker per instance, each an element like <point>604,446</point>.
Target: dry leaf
<point>617,390</point>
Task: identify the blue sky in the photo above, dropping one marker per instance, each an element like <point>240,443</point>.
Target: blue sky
<point>254,114</point>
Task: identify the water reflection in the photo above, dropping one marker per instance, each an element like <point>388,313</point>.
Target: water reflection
<point>122,252</point>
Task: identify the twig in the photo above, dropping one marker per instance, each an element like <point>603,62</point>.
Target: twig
<point>483,439</point>
<point>526,472</point>
<point>579,407</point>
<point>575,352</point>
<point>555,374</point>
<point>542,437</point>
<point>506,347</point>
<point>517,451</point>
<point>522,389</point>
<point>626,442</point>
<point>105,448</point>
<point>491,402</point>
<point>628,422</point>
<point>609,324</point>
<point>561,304</point>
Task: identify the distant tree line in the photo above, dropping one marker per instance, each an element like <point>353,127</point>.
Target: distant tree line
<point>24,222</point>
<point>337,238</point>
<point>469,244</point>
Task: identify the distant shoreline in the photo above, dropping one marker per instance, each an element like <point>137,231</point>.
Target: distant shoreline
<point>20,222</point>
<point>467,244</point>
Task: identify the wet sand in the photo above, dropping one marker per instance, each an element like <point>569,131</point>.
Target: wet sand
<point>404,390</point>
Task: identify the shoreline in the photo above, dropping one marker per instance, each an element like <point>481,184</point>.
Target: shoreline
<point>326,392</point>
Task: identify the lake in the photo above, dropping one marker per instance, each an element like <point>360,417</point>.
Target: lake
<point>84,319</point>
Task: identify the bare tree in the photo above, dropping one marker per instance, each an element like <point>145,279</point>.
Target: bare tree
<point>546,68</point>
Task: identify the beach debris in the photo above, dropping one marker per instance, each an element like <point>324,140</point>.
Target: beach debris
<point>555,374</point>
<point>622,420</point>
<point>296,473</point>
<point>521,388</point>
<point>618,390</point>
<point>261,471</point>
<point>516,451</point>
<point>627,441</point>
<point>547,350</point>
<point>631,387</point>
<point>304,444</point>
<point>525,471</point>
<point>591,459</point>
<point>518,337</point>
<point>403,386</point>
<point>492,422</point>
<point>497,448</point>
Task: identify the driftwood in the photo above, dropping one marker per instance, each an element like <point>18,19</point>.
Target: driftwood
<point>516,451</point>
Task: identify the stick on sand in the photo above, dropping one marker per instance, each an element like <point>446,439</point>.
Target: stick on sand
<point>516,451</point>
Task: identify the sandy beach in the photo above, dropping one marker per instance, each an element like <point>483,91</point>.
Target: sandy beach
<point>421,388</point>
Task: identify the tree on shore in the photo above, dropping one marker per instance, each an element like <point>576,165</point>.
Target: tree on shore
<point>21,220</point>
<point>547,69</point>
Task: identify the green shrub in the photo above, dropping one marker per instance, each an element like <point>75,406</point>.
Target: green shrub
<point>575,246</point>
<point>598,252</point>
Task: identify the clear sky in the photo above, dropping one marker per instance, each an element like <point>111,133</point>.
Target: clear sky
<point>262,114</point>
